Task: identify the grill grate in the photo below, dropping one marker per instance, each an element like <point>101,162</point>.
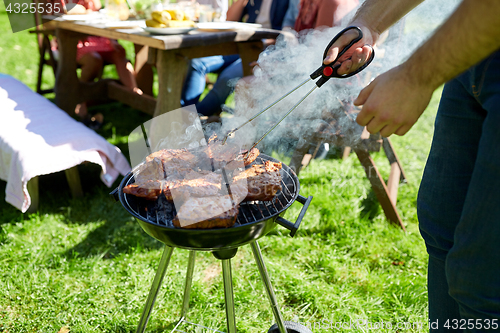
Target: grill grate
<point>162,212</point>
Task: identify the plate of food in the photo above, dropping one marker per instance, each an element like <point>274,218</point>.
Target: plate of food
<point>168,31</point>
<point>82,17</point>
<point>168,22</point>
<point>227,25</point>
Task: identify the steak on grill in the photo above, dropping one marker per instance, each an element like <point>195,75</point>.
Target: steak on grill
<point>196,184</point>
<point>150,189</point>
<point>206,213</point>
<point>206,199</point>
<point>263,181</point>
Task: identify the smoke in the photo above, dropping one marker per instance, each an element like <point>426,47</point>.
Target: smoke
<point>283,66</point>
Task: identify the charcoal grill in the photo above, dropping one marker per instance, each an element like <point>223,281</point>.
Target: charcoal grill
<point>255,219</point>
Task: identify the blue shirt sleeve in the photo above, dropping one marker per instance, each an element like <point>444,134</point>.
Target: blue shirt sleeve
<point>291,14</point>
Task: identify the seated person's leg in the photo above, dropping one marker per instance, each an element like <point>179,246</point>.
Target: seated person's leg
<point>91,64</point>
<point>194,85</point>
<point>211,103</point>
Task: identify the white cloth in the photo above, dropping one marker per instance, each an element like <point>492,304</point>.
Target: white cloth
<point>264,16</point>
<point>38,138</point>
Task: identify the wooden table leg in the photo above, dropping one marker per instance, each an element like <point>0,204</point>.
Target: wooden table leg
<point>34,192</point>
<point>143,70</point>
<point>69,90</point>
<point>75,185</point>
<point>67,84</point>
<point>172,69</point>
<point>249,52</point>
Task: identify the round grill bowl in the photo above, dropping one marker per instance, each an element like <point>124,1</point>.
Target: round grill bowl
<point>255,219</point>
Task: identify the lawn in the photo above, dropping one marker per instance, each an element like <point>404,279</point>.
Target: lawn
<point>86,266</point>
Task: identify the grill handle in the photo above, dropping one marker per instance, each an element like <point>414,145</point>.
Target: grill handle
<point>293,227</point>
<point>114,193</point>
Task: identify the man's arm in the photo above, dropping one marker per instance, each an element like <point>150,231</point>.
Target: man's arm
<point>394,101</point>
<point>236,10</point>
<point>373,17</point>
<point>470,34</point>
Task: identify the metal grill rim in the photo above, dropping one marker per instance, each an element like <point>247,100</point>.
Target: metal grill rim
<point>264,209</point>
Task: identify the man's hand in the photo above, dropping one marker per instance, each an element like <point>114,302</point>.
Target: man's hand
<point>393,102</point>
<point>357,55</point>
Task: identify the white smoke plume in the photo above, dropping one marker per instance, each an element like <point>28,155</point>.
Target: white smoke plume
<point>286,64</point>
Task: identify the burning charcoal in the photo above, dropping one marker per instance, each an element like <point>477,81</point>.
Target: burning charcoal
<point>165,211</point>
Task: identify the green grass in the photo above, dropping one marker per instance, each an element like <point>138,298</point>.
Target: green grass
<point>87,265</point>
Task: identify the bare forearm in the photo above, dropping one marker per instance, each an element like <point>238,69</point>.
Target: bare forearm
<point>379,15</point>
<point>236,10</point>
<point>470,34</point>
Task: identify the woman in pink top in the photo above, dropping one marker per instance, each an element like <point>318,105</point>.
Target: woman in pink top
<point>317,13</point>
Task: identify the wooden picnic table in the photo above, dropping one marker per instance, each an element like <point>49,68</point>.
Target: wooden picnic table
<point>169,53</point>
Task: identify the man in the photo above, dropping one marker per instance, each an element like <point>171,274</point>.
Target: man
<point>459,197</point>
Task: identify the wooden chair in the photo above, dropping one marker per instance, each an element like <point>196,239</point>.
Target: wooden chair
<point>46,55</point>
<point>386,192</point>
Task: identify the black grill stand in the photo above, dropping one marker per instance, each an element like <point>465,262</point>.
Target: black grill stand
<point>225,257</point>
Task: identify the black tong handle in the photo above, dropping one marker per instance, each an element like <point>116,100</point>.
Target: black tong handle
<point>328,71</point>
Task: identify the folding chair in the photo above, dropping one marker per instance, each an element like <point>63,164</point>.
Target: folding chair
<point>386,192</point>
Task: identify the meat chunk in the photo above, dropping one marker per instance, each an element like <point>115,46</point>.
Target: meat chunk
<point>195,184</point>
<point>150,189</point>
<point>248,157</point>
<point>220,155</point>
<point>151,170</point>
<point>206,213</point>
<point>251,156</point>
<point>182,156</point>
<point>263,181</point>
<point>174,163</point>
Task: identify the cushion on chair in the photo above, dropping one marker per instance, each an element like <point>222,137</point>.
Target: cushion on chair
<point>38,138</point>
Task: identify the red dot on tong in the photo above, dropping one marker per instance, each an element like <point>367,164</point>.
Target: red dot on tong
<point>327,71</point>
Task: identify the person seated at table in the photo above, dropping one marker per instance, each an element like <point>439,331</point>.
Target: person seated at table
<point>317,13</point>
<point>268,13</point>
<point>91,55</point>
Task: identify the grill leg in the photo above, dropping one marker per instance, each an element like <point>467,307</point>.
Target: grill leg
<point>155,287</point>
<point>228,294</point>
<point>267,284</point>
<point>187,285</point>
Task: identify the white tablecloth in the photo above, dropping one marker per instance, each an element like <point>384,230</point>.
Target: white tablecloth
<point>38,138</point>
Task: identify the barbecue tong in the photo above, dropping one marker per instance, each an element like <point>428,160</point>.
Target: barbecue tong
<point>325,72</point>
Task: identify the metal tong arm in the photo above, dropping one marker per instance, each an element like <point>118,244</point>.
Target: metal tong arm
<point>275,125</point>
<point>264,110</point>
<point>328,71</point>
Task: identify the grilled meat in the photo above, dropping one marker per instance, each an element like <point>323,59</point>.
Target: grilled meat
<point>206,199</point>
<point>195,185</point>
<point>220,155</point>
<point>251,156</point>
<point>174,156</point>
<point>150,189</point>
<point>151,170</point>
<point>206,213</point>
<point>263,181</point>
